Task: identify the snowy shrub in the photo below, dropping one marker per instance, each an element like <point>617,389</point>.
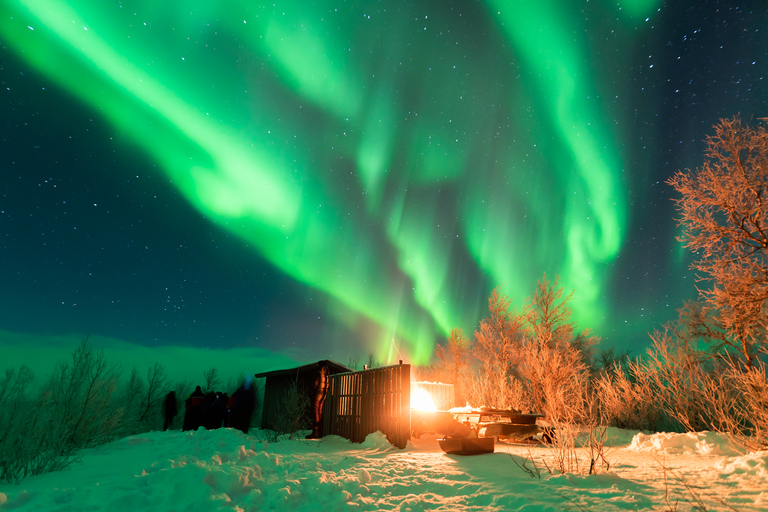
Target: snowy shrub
<point>452,365</point>
<point>674,387</point>
<point>141,401</point>
<point>27,447</point>
<point>293,411</point>
<point>738,403</point>
<point>14,396</point>
<point>753,384</point>
<point>555,381</point>
<point>678,373</point>
<point>496,344</point>
<point>627,397</point>
<point>79,399</point>
<point>684,384</point>
<point>706,390</point>
<point>78,406</point>
<point>558,383</point>
<point>14,408</point>
<point>575,449</point>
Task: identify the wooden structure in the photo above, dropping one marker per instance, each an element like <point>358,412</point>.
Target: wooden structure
<point>467,445</point>
<point>278,384</point>
<point>501,424</point>
<point>360,403</point>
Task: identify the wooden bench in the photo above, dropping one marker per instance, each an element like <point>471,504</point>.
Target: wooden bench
<point>501,424</point>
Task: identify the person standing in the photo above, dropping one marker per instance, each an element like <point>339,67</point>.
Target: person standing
<point>241,406</point>
<point>170,408</point>
<point>193,410</point>
<point>318,399</point>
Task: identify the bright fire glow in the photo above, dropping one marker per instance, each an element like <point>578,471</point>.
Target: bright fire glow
<point>421,399</point>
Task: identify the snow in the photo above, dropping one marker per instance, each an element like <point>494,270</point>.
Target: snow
<point>705,443</point>
<point>229,471</point>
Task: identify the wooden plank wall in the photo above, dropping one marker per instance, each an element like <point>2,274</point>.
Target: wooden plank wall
<point>359,403</point>
<point>442,394</point>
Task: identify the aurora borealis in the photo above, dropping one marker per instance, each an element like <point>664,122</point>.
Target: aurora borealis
<point>328,177</point>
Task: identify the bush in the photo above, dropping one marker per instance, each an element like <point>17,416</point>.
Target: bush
<point>627,397</point>
<point>293,411</point>
<point>679,387</point>
<point>141,401</point>
<point>80,405</point>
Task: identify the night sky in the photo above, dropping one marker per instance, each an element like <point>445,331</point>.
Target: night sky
<point>318,179</point>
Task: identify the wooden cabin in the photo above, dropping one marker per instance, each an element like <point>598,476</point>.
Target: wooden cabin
<point>279,383</point>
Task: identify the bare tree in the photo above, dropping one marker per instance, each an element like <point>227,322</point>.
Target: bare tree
<point>497,340</point>
<point>608,360</point>
<point>212,380</point>
<point>74,409</point>
<point>453,362</point>
<point>553,365</point>
<point>13,398</point>
<point>79,395</point>
<point>549,320</point>
<point>131,401</point>
<point>157,388</point>
<point>724,214</point>
<point>372,362</point>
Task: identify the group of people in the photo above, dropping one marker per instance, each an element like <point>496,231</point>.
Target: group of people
<point>213,409</point>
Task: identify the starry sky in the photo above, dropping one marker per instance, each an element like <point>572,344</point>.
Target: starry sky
<point>332,179</point>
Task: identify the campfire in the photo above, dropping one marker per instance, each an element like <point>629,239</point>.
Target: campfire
<point>422,400</point>
<point>428,417</point>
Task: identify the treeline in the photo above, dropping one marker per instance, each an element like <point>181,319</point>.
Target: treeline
<point>534,360</point>
<point>84,402</point>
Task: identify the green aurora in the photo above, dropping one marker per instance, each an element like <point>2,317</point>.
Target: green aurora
<point>400,159</point>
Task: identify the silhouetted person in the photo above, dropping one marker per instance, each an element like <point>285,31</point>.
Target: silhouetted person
<point>213,410</point>
<point>206,410</point>
<point>318,399</point>
<point>219,411</point>
<point>169,409</point>
<point>193,410</point>
<point>241,406</point>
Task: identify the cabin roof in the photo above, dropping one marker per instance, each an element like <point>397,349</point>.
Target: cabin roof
<point>333,366</point>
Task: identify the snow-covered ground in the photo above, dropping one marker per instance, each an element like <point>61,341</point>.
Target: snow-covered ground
<point>226,470</point>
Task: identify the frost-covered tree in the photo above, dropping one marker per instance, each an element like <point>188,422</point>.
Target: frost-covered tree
<point>555,356</point>
<point>549,320</point>
<point>724,215</point>
<point>534,359</point>
<point>497,341</point>
<point>453,362</point>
